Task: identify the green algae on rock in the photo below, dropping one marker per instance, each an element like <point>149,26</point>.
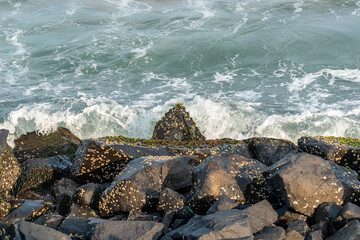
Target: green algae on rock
<point>177,125</point>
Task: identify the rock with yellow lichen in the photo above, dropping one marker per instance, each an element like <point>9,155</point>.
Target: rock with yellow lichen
<point>340,150</point>
<point>138,186</point>
<point>37,145</point>
<point>177,125</point>
<point>228,174</point>
<point>305,181</point>
<point>88,194</point>
<point>100,160</point>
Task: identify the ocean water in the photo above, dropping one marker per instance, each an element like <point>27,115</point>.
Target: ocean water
<point>244,68</point>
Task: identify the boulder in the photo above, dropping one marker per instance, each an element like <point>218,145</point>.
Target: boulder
<point>64,190</point>
<point>223,203</point>
<point>305,181</point>
<point>343,151</point>
<point>140,216</point>
<point>100,160</point>
<point>288,217</point>
<point>50,220</point>
<point>169,200</point>
<point>33,231</point>
<point>299,226</point>
<point>261,215</point>
<point>324,227</point>
<point>127,230</point>
<point>314,235</point>
<point>294,235</point>
<point>221,174</point>
<point>38,145</point>
<point>138,186</point>
<point>270,233</point>
<point>349,212</point>
<point>270,150</point>
<point>88,194</point>
<point>326,212</point>
<point>225,224</point>
<point>177,125</point>
<point>350,231</point>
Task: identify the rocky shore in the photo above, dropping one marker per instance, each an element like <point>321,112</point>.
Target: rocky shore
<point>178,185</point>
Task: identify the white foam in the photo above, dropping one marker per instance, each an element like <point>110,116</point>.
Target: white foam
<point>141,52</point>
<point>12,37</point>
<point>298,6</point>
<point>224,77</point>
<point>357,11</point>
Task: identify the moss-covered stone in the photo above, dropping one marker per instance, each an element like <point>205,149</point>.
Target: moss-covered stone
<point>177,125</point>
<point>36,145</point>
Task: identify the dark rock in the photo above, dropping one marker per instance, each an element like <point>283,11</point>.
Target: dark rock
<point>343,151</point>
<point>288,217</point>
<point>37,145</point>
<point>82,212</point>
<point>261,214</point>
<point>350,211</point>
<point>325,227</point>
<point>64,190</point>
<point>294,235</point>
<point>139,216</point>
<point>170,200</point>
<point>225,224</point>
<point>270,150</point>
<point>127,230</point>
<point>138,186</point>
<point>9,171</point>
<point>326,212</point>
<point>33,231</point>
<point>88,194</point>
<point>167,220</point>
<point>299,226</point>
<point>224,203</point>
<point>177,125</point>
<point>100,160</point>
<point>74,227</point>
<point>223,174</point>
<point>50,220</point>
<point>270,233</point>
<point>314,235</point>
<point>305,181</point>
<point>350,231</point>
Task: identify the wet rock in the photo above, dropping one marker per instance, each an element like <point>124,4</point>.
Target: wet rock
<point>50,220</point>
<point>88,194</point>
<point>326,212</point>
<point>170,200</point>
<point>305,181</point>
<point>39,173</point>
<point>37,145</point>
<point>127,230</point>
<point>350,231</point>
<point>223,174</point>
<point>225,224</point>
<point>33,231</point>
<point>270,150</point>
<point>261,214</point>
<point>177,125</point>
<point>223,203</point>
<point>9,169</point>
<point>314,235</point>
<point>343,151</point>
<point>299,226</point>
<point>138,186</point>
<point>64,190</point>
<point>100,160</point>
<point>270,233</point>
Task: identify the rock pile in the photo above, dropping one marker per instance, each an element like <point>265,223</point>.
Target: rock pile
<point>178,186</point>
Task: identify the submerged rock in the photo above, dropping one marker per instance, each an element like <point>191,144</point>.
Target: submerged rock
<point>177,125</point>
<point>37,145</point>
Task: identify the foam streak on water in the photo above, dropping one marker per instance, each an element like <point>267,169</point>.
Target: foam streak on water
<point>242,68</point>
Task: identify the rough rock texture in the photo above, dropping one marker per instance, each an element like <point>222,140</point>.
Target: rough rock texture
<point>127,230</point>
<point>261,215</point>
<point>225,224</point>
<point>101,160</point>
<point>170,200</point>
<point>270,233</point>
<point>314,235</point>
<point>326,212</point>
<point>64,190</point>
<point>177,125</point>
<point>294,235</point>
<point>223,203</point>
<point>349,212</point>
<point>299,226</point>
<point>350,231</point>
<point>88,194</point>
<point>50,220</point>
<point>37,145</point>
<point>139,184</point>
<point>33,231</point>
<point>305,181</point>
<point>343,151</point>
<point>228,174</point>
<point>270,150</point>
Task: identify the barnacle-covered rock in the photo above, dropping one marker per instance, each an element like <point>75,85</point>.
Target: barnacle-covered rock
<point>305,181</point>
<point>177,125</point>
<point>138,186</point>
<point>37,145</point>
<point>270,150</point>
<point>228,174</point>
<point>343,151</point>
<point>88,194</point>
<point>170,200</point>
<point>100,160</point>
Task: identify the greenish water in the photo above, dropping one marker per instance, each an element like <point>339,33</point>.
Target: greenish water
<point>242,68</point>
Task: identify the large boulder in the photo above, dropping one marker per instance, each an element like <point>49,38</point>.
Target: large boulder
<point>37,145</point>
<point>138,186</point>
<point>33,231</point>
<point>350,231</point>
<point>343,151</point>
<point>88,194</point>
<point>177,125</point>
<point>64,190</point>
<point>305,181</point>
<point>270,150</point>
<point>223,174</point>
<point>100,160</point>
